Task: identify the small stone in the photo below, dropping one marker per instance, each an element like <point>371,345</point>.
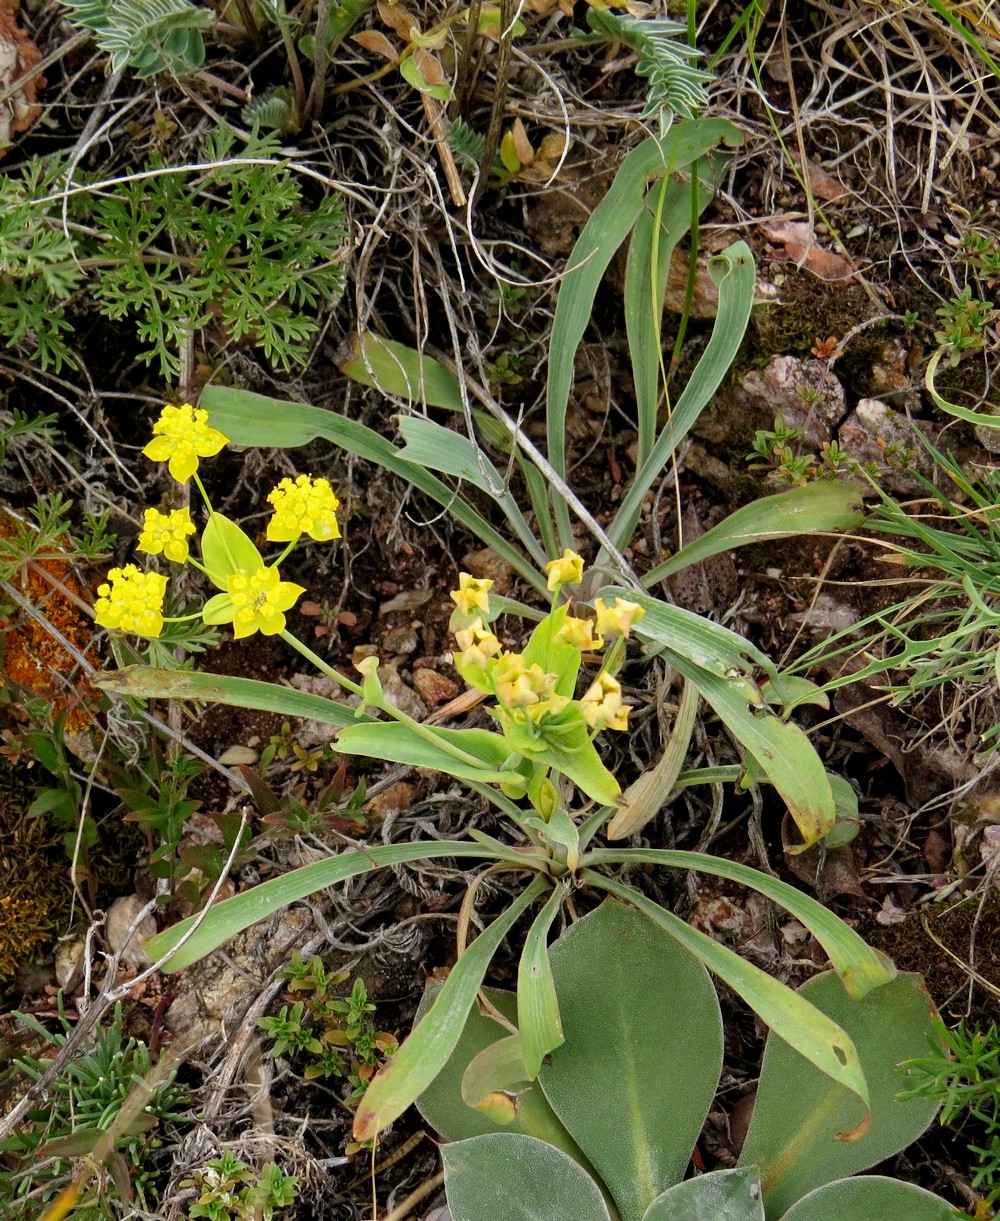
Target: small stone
<point>400,639</point>
<point>121,916</point>
<point>432,687</point>
<point>803,392</point>
<point>361,651</point>
<point>400,695</point>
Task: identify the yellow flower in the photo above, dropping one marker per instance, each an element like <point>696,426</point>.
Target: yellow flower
<point>180,437</point>
<point>617,620</point>
<point>478,644</point>
<point>579,633</point>
<point>518,685</point>
<point>307,506</point>
<point>602,704</point>
<point>472,592</point>
<point>166,532</point>
<point>259,602</point>
<point>566,571</point>
<point>131,601</point>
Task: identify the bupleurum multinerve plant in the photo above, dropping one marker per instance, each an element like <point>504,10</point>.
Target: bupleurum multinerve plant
<point>539,765</point>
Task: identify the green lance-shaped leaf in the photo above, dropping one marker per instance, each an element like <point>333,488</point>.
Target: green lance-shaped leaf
<point>722,1195</point>
<point>812,1033</point>
<point>825,505</point>
<point>859,966</point>
<point>537,1005</point>
<point>808,1130</point>
<point>404,373</point>
<point>207,930</point>
<point>517,1178</point>
<point>871,1196</point>
<point>422,1056</point>
<point>255,419</point>
<point>147,682</point>
<point>469,754</point>
<point>441,1103</point>
<point>715,661</point>
<point>635,1078</point>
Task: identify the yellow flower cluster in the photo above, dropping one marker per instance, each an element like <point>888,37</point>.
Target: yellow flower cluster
<point>180,437</point>
<point>602,704</point>
<point>307,506</point>
<point>131,601</point>
<point>528,692</point>
<point>166,532</point>
<point>259,602</point>
<point>472,592</point>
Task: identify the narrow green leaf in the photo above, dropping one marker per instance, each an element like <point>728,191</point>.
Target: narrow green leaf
<point>404,373</point>
<point>469,754</point>
<point>814,1035</point>
<point>869,1196</point>
<point>608,226</point>
<point>441,1103</point>
<point>436,448</point>
<point>826,505</point>
<point>255,419</point>
<point>733,271</point>
<point>721,1195</point>
<point>517,1178</point>
<point>426,1051</point>
<point>715,661</point>
<point>207,930</point>
<point>643,1052</point>
<point>645,289</point>
<point>147,682</point>
<point>537,1007</point>
<point>859,966</point>
<point>806,1129</point>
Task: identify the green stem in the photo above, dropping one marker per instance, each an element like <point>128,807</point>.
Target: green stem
<point>320,664</point>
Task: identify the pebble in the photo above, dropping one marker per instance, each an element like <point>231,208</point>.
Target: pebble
<point>121,916</point>
<point>432,687</point>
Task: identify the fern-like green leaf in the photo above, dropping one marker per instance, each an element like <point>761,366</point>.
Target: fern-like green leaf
<point>676,86</point>
<point>466,143</point>
<point>149,36</point>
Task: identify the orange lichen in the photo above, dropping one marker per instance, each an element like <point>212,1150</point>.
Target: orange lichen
<point>33,657</point>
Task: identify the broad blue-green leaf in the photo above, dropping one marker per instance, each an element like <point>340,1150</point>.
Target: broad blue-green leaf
<point>640,1065</point>
<point>504,1176</point>
<point>722,1195</point>
<point>789,1015</point>
<point>871,1198</point>
<point>425,1052</point>
<point>797,1132</point>
<point>207,930</point>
